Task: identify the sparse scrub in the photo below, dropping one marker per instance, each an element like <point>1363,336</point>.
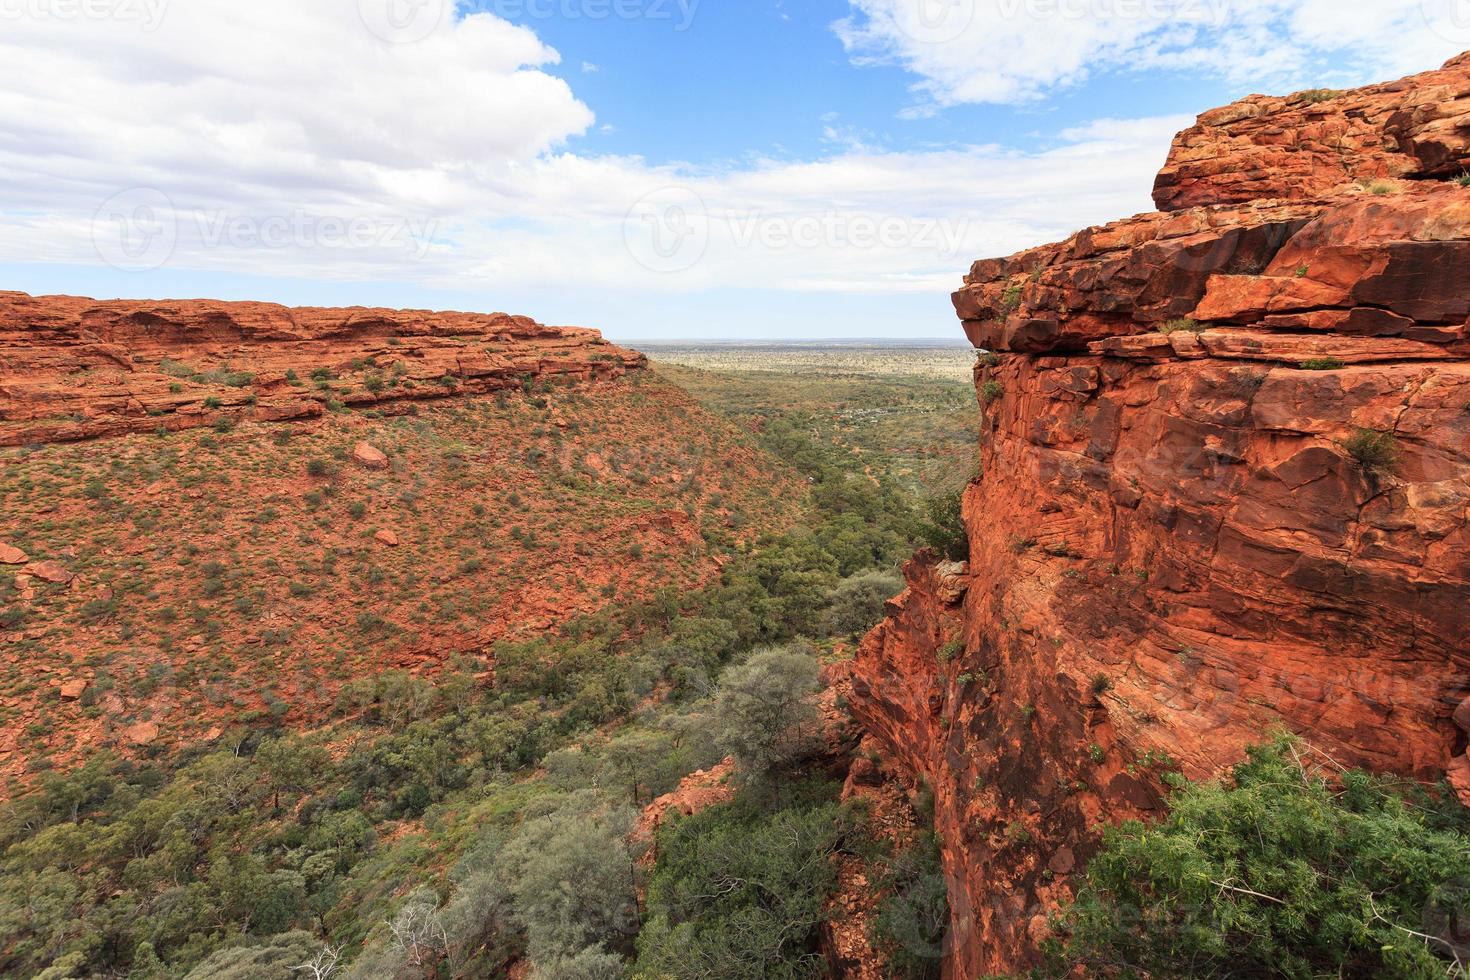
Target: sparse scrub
<point>1375,452</point>
<point>1182,324</point>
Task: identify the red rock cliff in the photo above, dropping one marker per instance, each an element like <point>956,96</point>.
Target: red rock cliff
<point>74,368</point>
<point>1174,546</point>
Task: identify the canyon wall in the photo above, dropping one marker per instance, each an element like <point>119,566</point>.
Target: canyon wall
<point>74,368</point>
<point>1224,488</point>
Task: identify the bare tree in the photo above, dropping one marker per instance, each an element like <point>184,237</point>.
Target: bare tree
<point>323,965</point>
<point>418,932</point>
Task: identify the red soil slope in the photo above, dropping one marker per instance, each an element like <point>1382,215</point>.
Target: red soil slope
<point>288,501</point>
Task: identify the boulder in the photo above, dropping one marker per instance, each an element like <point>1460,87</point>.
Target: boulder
<point>143,733</point>
<point>10,555</point>
<point>73,690</point>
<point>388,538</point>
<point>369,456</point>
<point>51,571</point>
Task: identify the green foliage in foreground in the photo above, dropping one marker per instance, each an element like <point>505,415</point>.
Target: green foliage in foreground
<point>739,890</point>
<point>1282,873</point>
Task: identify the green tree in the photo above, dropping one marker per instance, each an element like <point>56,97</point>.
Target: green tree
<point>1289,870</point>
<point>856,604</point>
<point>739,892</point>
<point>763,712</point>
<point>943,527</point>
<point>570,877</point>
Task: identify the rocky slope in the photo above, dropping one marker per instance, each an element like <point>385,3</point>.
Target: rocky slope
<point>220,513</point>
<point>74,368</point>
<point>1225,486</point>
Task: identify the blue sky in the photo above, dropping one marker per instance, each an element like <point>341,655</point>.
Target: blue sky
<point>688,169</point>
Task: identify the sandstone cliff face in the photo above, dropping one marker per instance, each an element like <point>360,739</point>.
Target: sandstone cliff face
<point>74,368</point>
<point>1174,548</point>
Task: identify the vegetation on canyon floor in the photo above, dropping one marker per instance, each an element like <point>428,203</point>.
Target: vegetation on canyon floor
<point>427,825</point>
<point>436,825</point>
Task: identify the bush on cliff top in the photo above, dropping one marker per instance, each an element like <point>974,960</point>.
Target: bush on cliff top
<point>1289,870</point>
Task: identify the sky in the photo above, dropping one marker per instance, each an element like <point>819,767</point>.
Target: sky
<point>659,169</point>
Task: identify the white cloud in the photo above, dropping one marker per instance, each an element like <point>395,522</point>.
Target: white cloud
<point>318,149</point>
<point>1011,51</point>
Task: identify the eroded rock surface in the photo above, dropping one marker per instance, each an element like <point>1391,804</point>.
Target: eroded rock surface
<point>73,368</point>
<point>1180,539</point>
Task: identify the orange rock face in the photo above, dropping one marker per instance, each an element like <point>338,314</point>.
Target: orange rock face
<point>74,368</point>
<point>1308,144</point>
<point>1182,537</point>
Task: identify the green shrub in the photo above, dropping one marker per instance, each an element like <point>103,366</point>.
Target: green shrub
<point>991,391</point>
<point>763,713</point>
<point>1316,96</point>
<point>1182,324</point>
<point>1322,364</point>
<point>912,923</point>
<point>739,893</point>
<point>1010,300</point>
<point>1286,871</point>
<point>943,527</point>
<point>1374,451</point>
<point>856,604</point>
<point>1463,180</point>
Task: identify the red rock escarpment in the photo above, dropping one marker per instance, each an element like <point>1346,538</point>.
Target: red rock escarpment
<point>74,368</point>
<point>1305,145</point>
<point>1173,548</point>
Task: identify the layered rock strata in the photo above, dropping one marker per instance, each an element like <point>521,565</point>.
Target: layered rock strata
<point>1225,489</point>
<point>74,368</point>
